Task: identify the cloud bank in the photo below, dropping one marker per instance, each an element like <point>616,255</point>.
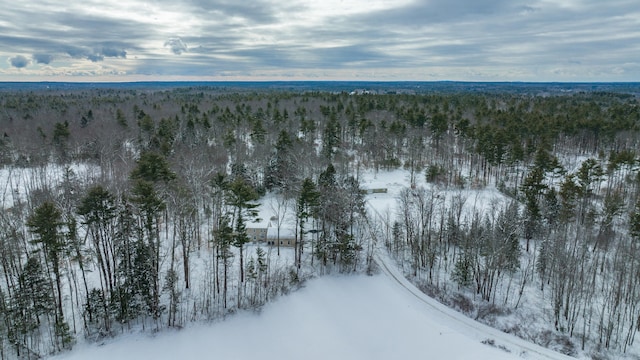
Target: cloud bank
<point>537,40</point>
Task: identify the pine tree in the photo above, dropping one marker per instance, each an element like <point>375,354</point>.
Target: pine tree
<point>121,119</point>
<point>97,210</point>
<point>223,238</point>
<point>532,188</point>
<point>241,197</point>
<point>46,223</point>
<point>60,139</point>
<point>97,309</point>
<point>307,202</point>
<point>331,137</point>
<point>128,241</point>
<point>171,287</point>
<point>33,298</point>
<point>151,169</point>
<point>281,166</point>
<point>148,255</point>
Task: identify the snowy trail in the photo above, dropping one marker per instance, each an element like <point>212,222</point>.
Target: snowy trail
<point>461,323</point>
<point>472,329</point>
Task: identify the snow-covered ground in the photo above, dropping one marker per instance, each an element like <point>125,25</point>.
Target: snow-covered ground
<point>384,204</point>
<point>16,183</point>
<point>357,317</point>
<point>354,317</point>
<point>531,317</point>
<point>462,324</point>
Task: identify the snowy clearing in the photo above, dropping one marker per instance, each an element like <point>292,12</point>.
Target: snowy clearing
<point>355,317</point>
<point>16,183</point>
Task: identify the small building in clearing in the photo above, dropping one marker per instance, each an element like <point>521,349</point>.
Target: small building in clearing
<point>286,236</point>
<point>269,234</point>
<point>257,234</point>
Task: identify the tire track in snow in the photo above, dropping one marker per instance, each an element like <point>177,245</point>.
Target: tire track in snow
<point>517,346</point>
<point>464,324</point>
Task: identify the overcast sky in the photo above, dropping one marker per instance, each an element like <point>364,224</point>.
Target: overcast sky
<point>477,40</point>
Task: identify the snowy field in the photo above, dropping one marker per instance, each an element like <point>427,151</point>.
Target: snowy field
<point>354,317</point>
<point>384,204</point>
<point>16,183</point>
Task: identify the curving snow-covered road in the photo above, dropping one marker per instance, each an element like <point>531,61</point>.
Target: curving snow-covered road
<point>461,323</point>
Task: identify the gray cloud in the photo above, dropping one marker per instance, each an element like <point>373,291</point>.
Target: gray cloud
<point>42,58</point>
<point>114,52</point>
<point>100,53</point>
<point>95,57</point>
<point>263,36</point>
<point>256,12</point>
<point>176,45</point>
<point>423,13</point>
<point>350,55</point>
<point>95,54</point>
<point>19,61</point>
<point>76,52</point>
<point>187,66</point>
<point>252,12</point>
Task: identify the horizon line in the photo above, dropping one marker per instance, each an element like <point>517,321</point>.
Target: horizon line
<point>312,81</point>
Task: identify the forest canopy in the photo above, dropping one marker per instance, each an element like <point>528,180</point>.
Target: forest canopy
<point>139,204</point>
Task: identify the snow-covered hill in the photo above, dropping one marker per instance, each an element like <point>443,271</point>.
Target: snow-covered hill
<point>354,317</point>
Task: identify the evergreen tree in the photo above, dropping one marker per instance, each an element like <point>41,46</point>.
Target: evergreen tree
<point>223,238</point>
<point>46,223</point>
<point>241,197</point>
<point>152,167</point>
<point>171,287</point>
<point>331,137</point>
<point>121,119</point>
<point>125,301</point>
<point>33,298</point>
<point>61,136</point>
<point>532,188</point>
<point>97,210</point>
<point>281,167</point>
<point>36,288</point>
<point>147,263</point>
<point>307,202</point>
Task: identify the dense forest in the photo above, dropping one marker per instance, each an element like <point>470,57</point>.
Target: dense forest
<point>131,206</point>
